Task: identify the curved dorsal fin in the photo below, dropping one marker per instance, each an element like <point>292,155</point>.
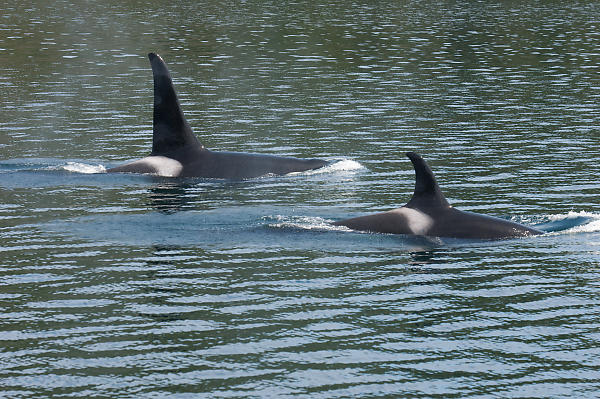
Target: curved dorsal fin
<point>170,129</point>
<point>427,192</point>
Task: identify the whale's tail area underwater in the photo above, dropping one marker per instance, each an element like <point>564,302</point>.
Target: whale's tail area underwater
<point>428,213</point>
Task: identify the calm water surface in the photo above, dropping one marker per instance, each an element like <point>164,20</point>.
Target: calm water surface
<point>136,286</point>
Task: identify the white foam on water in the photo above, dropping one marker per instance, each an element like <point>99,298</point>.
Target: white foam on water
<point>574,215</point>
<point>78,167</point>
<point>342,165</point>
<point>591,225</point>
<point>303,223</point>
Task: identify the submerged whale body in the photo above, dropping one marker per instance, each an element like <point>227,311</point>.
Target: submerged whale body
<point>428,213</point>
<point>177,152</point>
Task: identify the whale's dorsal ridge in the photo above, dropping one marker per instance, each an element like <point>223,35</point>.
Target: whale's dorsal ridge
<point>427,192</point>
<point>170,129</point>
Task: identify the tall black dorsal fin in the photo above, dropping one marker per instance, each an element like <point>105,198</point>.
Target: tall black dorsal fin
<point>170,129</point>
<point>427,192</point>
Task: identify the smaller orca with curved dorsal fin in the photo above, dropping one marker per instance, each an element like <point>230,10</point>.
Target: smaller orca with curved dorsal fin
<point>428,213</point>
<point>177,152</point>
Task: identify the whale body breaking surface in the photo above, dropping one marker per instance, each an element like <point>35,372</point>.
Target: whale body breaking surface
<point>428,213</point>
<point>177,152</point>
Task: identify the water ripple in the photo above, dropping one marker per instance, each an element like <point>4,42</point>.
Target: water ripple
<point>138,286</point>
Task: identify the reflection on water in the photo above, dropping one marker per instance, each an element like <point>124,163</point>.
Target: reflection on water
<point>422,257</point>
<point>135,286</point>
<point>168,197</point>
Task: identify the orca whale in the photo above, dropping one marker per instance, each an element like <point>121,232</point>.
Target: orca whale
<point>177,152</point>
<point>428,213</point>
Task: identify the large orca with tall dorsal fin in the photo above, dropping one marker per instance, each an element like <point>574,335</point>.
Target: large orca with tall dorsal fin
<point>428,213</point>
<point>177,152</point>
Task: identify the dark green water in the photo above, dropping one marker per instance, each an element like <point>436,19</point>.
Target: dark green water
<point>135,286</point>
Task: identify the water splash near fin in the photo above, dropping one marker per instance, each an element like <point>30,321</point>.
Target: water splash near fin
<point>78,167</point>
